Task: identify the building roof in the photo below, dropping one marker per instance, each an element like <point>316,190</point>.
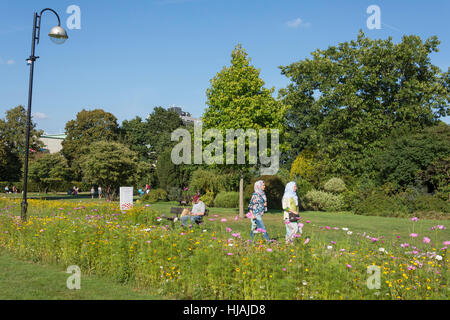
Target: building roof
<point>61,136</point>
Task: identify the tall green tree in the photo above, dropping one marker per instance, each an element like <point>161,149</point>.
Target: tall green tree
<point>49,170</point>
<point>347,98</point>
<point>12,140</point>
<point>237,99</point>
<point>88,127</point>
<point>109,165</point>
<point>161,123</point>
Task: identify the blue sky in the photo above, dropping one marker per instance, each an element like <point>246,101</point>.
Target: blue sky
<point>130,56</point>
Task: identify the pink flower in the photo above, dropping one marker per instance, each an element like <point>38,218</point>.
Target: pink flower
<point>333,242</point>
<point>426,240</point>
<point>261,230</point>
<point>287,222</point>
<point>297,235</point>
<point>227,229</point>
<point>414,219</point>
<point>327,227</point>
<point>229,253</point>
<point>269,250</point>
<point>413,235</point>
<point>306,241</point>
<point>149,241</point>
<point>212,219</point>
<point>236,218</point>
<point>404,245</point>
<point>446,243</point>
<point>236,235</point>
<point>349,266</point>
<point>284,269</point>
<point>223,220</point>
<point>307,221</point>
<point>216,216</point>
<point>411,268</point>
<point>440,227</point>
<point>398,237</point>
<point>374,239</point>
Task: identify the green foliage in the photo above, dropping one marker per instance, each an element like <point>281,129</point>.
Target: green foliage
<point>174,194</point>
<point>109,164</point>
<point>425,202</point>
<point>347,98</point>
<point>170,174</point>
<point>437,177</point>
<point>207,181</point>
<point>335,185</point>
<point>155,195</point>
<point>378,204</point>
<point>89,126</point>
<point>227,200</point>
<point>12,142</point>
<point>405,156</point>
<point>324,201</point>
<point>274,191</point>
<point>49,172</point>
<point>208,199</point>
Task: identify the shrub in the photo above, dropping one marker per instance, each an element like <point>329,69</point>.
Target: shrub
<point>208,199</point>
<point>335,185</point>
<point>378,204</point>
<point>227,200</point>
<point>155,195</point>
<point>425,203</point>
<point>207,181</point>
<point>274,191</point>
<point>174,194</point>
<point>324,201</point>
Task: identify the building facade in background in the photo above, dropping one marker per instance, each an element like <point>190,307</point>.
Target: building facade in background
<point>52,142</point>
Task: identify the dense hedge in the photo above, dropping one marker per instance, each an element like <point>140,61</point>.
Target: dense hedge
<point>227,200</point>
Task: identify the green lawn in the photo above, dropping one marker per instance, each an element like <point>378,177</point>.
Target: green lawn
<point>30,281</point>
<point>389,228</point>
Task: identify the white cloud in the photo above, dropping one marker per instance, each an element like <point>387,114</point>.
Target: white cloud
<point>39,115</point>
<point>294,23</point>
<point>10,62</point>
<point>298,23</point>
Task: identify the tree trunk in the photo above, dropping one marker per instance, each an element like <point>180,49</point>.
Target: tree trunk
<point>241,195</point>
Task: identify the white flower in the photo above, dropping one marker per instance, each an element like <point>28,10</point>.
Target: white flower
<point>148,229</point>
<point>175,219</point>
<point>330,247</point>
<point>204,230</point>
<point>345,229</point>
<point>349,232</point>
<point>438,257</point>
<point>381,250</point>
<point>304,282</point>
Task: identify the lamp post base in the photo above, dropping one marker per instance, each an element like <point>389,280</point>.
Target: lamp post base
<point>24,207</point>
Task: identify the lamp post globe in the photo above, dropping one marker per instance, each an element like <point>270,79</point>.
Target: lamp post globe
<point>58,35</point>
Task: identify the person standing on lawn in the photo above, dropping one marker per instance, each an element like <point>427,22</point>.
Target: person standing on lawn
<point>290,211</point>
<point>256,209</point>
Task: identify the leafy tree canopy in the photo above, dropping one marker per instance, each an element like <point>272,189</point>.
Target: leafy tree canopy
<point>346,99</point>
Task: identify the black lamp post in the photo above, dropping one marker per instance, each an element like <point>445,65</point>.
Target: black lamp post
<point>58,35</point>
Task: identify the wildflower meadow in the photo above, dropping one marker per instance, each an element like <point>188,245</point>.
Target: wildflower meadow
<point>218,259</point>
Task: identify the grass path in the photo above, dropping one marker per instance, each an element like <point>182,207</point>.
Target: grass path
<point>22,280</point>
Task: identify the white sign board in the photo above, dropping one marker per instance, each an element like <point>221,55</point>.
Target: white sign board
<point>126,198</point>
